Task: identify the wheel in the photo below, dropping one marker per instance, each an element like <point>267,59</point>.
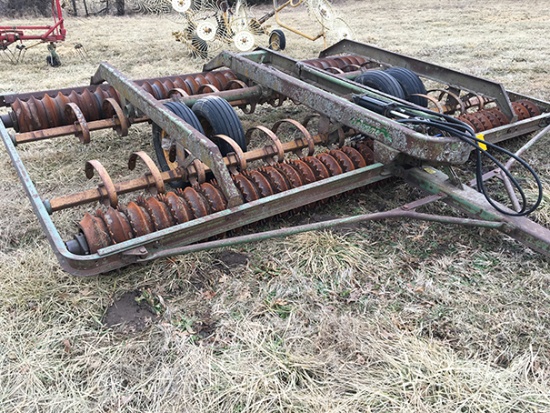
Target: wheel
<point>181,6</point>
<point>206,30</point>
<point>411,85</point>
<point>339,30</point>
<point>244,40</point>
<point>322,12</point>
<point>198,48</point>
<point>163,144</point>
<point>53,61</point>
<point>217,117</point>
<point>277,40</point>
<point>382,81</point>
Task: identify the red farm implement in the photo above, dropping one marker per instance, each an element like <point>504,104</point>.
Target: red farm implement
<point>10,35</point>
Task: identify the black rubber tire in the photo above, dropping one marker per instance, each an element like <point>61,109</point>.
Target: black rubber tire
<point>277,40</point>
<point>411,84</point>
<point>218,117</point>
<point>53,61</point>
<point>382,81</point>
<point>184,112</point>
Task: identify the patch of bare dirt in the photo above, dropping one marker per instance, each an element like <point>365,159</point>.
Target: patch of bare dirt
<point>128,314</point>
<point>227,260</point>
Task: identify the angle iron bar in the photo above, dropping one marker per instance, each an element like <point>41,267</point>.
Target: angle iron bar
<point>119,255</point>
<point>247,213</point>
<point>391,133</point>
<point>187,137</point>
<point>516,129</point>
<point>474,204</point>
<point>432,71</point>
<point>397,213</point>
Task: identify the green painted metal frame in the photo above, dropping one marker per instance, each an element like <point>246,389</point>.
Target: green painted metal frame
<point>319,91</point>
<point>453,79</point>
<point>342,110</point>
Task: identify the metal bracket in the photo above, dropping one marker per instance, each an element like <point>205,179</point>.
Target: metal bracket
<point>187,137</point>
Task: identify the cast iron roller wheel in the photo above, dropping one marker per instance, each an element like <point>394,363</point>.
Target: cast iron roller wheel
<point>163,144</point>
<point>382,81</point>
<point>411,84</point>
<point>277,40</point>
<point>217,117</point>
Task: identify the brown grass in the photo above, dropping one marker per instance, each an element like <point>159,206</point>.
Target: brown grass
<point>384,317</point>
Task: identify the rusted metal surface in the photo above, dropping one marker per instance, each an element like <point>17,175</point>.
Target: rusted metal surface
<point>391,133</point>
<point>453,78</point>
<point>232,161</point>
<point>207,198</point>
<point>43,110</point>
<point>188,138</point>
<point>167,221</point>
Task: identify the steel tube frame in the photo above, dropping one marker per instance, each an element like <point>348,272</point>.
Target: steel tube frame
<point>178,239</point>
<point>432,71</point>
<point>187,138</point>
<point>337,108</point>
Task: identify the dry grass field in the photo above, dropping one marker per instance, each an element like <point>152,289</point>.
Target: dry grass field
<point>384,317</point>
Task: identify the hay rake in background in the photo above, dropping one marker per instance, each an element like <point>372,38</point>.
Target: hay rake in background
<point>370,118</point>
<point>212,25</point>
<point>10,35</point>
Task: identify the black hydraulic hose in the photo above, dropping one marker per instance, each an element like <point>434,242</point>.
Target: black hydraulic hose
<point>465,133</point>
<point>459,129</point>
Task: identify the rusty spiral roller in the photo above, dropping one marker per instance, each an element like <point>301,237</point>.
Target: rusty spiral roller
<point>49,112</point>
<point>493,118</point>
<point>149,214</point>
<point>190,85</point>
<point>44,112</point>
<point>338,64</point>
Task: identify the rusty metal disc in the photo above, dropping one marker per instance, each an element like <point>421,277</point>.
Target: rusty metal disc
<point>493,118</point>
<point>502,118</point>
<point>520,110</point>
<point>214,196</point>
<point>276,179</point>
<point>355,156</point>
<point>180,210</point>
<point>292,176</point>
<point>139,219</point>
<point>332,165</point>
<point>158,211</point>
<point>261,183</point>
<point>247,189</point>
<point>345,162</point>
<point>480,121</point>
<point>95,232</point>
<point>196,202</point>
<point>318,167</point>
<point>118,225</point>
<point>306,174</point>
<point>533,109</point>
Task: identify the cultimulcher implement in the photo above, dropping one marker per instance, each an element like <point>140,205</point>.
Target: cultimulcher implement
<point>372,115</point>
